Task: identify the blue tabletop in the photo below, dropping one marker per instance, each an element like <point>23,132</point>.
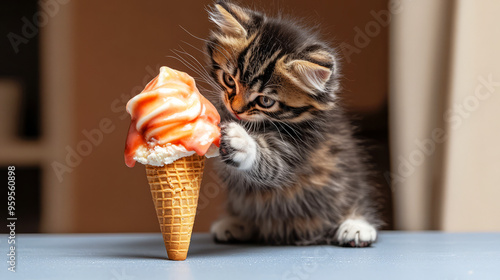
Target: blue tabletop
<point>397,255</point>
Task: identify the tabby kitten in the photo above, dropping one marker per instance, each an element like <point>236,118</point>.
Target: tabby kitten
<point>293,171</point>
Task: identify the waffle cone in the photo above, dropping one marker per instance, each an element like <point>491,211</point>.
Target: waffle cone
<point>175,189</point>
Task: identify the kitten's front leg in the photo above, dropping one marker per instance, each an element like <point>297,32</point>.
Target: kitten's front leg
<point>231,229</point>
<point>355,232</point>
<point>237,148</point>
<point>267,158</point>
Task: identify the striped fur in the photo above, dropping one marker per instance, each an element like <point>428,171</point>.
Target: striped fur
<point>303,173</point>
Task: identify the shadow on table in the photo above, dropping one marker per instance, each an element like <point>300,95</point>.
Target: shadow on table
<point>152,247</point>
<point>206,247</point>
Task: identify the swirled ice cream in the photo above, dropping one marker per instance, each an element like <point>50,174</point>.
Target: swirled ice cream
<point>170,120</point>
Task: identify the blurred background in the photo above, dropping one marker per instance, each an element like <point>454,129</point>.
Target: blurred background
<point>421,80</point>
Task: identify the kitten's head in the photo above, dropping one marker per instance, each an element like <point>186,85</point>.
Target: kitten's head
<point>269,68</point>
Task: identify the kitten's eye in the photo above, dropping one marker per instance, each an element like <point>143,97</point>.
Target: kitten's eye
<point>228,80</point>
<point>265,102</point>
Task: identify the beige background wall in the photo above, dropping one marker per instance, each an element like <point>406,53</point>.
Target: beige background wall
<point>471,182</point>
<point>115,48</point>
<point>444,115</point>
<point>419,71</point>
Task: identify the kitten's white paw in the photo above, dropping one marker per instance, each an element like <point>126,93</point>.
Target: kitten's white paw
<point>356,232</point>
<point>231,229</point>
<point>237,147</point>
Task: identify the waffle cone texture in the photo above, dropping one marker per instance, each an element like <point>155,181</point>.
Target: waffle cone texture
<point>175,189</point>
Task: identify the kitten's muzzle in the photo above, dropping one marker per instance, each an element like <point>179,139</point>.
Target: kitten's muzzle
<point>229,103</point>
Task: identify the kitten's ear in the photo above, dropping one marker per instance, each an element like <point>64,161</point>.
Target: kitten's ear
<point>311,74</point>
<point>230,18</point>
<point>314,67</point>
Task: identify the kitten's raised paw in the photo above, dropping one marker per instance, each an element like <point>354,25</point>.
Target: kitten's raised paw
<point>237,148</point>
<point>231,230</point>
<point>355,233</point>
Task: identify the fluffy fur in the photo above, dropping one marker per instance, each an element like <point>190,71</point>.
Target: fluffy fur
<point>293,171</point>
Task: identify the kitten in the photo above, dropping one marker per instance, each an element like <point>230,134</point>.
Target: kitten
<point>293,171</point>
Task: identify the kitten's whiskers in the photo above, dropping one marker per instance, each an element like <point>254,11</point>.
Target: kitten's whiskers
<point>201,72</point>
<point>209,42</point>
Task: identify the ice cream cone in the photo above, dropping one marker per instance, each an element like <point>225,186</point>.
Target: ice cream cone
<point>175,189</point>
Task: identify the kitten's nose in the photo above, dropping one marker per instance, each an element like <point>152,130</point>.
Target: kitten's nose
<point>238,103</point>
